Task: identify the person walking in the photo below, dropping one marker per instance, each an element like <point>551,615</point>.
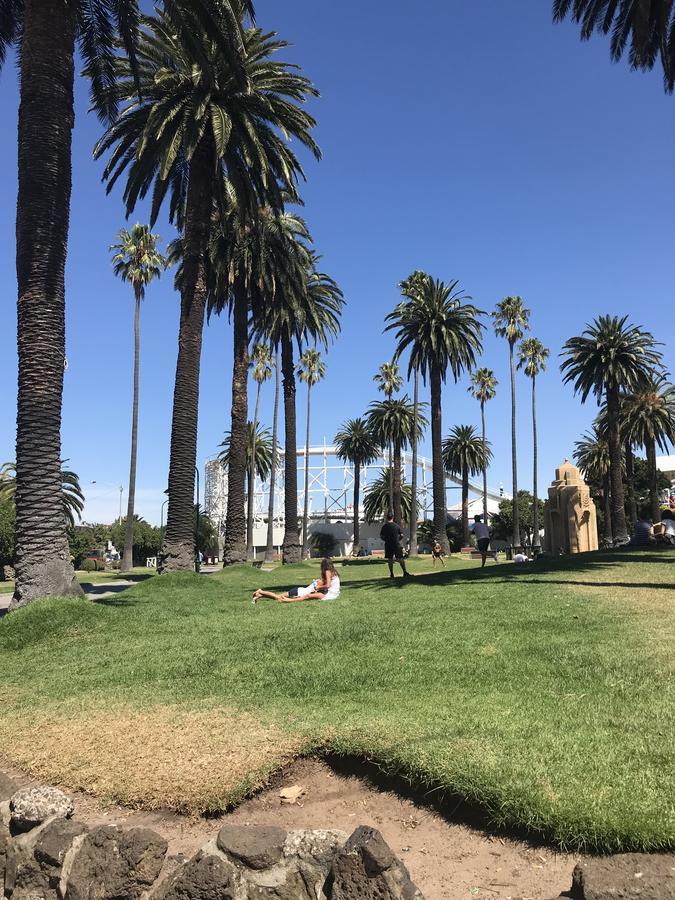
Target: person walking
<point>392,536</point>
<point>437,554</point>
<point>482,533</point>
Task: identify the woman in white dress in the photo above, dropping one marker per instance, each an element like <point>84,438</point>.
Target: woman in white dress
<point>326,588</point>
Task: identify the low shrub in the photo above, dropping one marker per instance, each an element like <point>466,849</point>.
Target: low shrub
<point>88,565</point>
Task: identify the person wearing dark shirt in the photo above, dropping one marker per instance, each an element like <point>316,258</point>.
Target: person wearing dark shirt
<point>392,536</point>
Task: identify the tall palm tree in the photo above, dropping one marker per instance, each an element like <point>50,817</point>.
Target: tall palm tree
<point>483,388</point>
<point>442,332</point>
<point>301,312</point>
<point>196,135</point>
<point>648,26</point>
<point>376,499</point>
<point>137,260</point>
<point>258,457</point>
<point>532,356</point>
<point>355,443</point>
<point>72,498</point>
<point>511,321</point>
<point>648,418</point>
<point>388,380</point>
<point>608,357</point>
<point>394,422</point>
<point>310,370</point>
<point>269,548</point>
<point>262,372</point>
<point>465,454</point>
<point>410,288</point>
<point>591,454</point>
<point>46,33</point>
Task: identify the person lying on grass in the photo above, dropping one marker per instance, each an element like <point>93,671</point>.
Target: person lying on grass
<point>326,588</point>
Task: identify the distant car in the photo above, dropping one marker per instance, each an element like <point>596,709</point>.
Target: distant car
<point>95,556</point>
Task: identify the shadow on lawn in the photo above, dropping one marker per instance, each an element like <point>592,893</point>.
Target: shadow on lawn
<point>534,572</point>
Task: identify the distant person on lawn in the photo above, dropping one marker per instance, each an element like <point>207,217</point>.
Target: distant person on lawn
<point>392,536</point>
<point>482,533</point>
<point>437,554</point>
<point>325,588</point>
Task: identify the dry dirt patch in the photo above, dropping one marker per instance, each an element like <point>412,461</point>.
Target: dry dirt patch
<point>161,757</point>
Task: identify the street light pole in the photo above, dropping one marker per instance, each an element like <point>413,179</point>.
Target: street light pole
<point>161,514</point>
<point>120,515</point>
<point>197,534</point>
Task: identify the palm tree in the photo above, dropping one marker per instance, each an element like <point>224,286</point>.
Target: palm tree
<point>262,372</point>
<point>410,288</point>
<point>511,321</point>
<point>532,356</point>
<point>591,454</point>
<point>648,26</point>
<point>648,418</point>
<point>376,499</point>
<point>196,135</point>
<point>389,381</point>
<point>269,549</point>
<point>355,443</point>
<point>608,357</point>
<point>310,369</point>
<point>483,388</point>
<point>47,35</point>
<point>465,454</point>
<point>71,496</point>
<point>301,312</point>
<point>136,260</point>
<point>393,422</point>
<point>443,332</point>
<point>258,458</point>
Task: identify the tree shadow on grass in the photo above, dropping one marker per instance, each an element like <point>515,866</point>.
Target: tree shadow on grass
<point>532,573</point>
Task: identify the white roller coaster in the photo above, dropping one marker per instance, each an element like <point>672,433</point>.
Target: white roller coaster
<point>331,488</point>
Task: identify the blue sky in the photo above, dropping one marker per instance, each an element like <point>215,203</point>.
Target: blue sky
<point>477,141</point>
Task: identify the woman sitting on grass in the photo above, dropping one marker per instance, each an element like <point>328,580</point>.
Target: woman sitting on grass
<point>326,588</point>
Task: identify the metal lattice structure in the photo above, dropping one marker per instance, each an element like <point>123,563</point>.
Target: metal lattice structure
<point>331,487</point>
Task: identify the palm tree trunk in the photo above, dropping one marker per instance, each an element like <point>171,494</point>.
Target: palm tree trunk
<point>391,481</point>
<point>178,547</point>
<point>357,491</point>
<point>485,496</point>
<point>536,540</point>
<point>269,550</point>
<point>251,480</point>
<point>619,528</point>
<point>397,508</point>
<point>465,507</point>
<point>515,538</point>
<point>630,484</point>
<point>128,554</point>
<point>413,481</point>
<point>438,473</point>
<point>654,504</point>
<point>305,513</point>
<point>234,548</point>
<point>291,544</point>
<point>46,116</point>
<point>607,509</point>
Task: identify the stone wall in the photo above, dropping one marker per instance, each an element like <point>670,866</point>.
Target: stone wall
<point>46,854</point>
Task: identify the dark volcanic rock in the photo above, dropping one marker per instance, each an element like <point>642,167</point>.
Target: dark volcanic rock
<point>258,847</point>
<point>115,864</point>
<point>204,877</point>
<point>367,869</point>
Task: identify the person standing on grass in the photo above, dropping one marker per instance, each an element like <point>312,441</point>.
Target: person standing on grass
<point>392,536</point>
<point>437,554</point>
<point>482,533</point>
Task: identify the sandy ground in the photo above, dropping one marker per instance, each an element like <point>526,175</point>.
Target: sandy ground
<point>447,860</point>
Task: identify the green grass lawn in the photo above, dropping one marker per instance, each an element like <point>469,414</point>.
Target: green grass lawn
<point>539,693</point>
<point>138,573</point>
